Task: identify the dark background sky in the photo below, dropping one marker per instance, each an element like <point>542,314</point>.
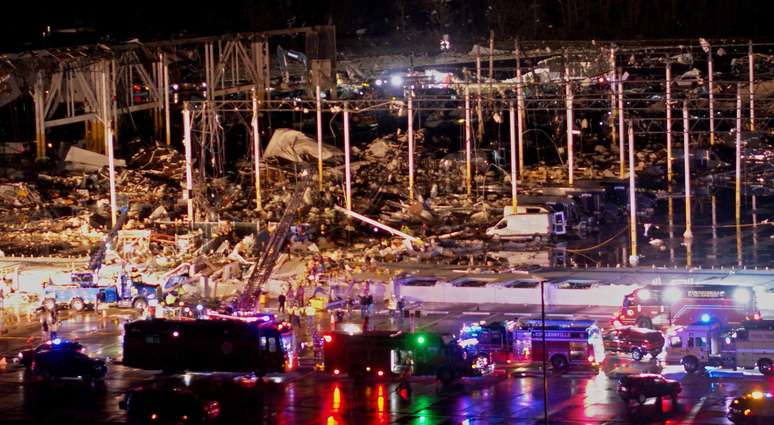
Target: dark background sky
<point>25,22</point>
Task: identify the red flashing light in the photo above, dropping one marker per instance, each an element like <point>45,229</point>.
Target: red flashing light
<point>328,339</point>
<point>336,371</point>
<point>380,373</point>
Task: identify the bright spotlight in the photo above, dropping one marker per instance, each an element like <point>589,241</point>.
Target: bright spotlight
<point>672,294</point>
<point>742,296</point>
<point>396,81</point>
<point>643,294</point>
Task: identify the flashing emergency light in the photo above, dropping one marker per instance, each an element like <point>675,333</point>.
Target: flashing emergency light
<point>57,341</point>
<point>380,373</point>
<point>327,338</point>
<point>705,318</point>
<point>175,334</point>
<point>756,395</point>
<point>672,294</point>
<point>336,371</point>
<point>742,295</point>
<point>199,307</point>
<point>643,294</point>
<point>396,80</point>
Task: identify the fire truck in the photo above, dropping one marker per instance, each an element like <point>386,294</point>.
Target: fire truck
<point>209,345</point>
<point>383,354</point>
<point>749,346</point>
<point>568,343</point>
<point>684,304</point>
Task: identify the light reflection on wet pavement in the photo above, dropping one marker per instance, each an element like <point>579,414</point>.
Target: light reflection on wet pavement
<point>305,397</point>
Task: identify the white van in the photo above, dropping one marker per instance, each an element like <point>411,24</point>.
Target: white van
<point>529,222</point>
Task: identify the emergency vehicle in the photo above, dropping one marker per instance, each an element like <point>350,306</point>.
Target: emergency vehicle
<point>568,343</point>
<point>236,345</point>
<point>709,344</point>
<point>382,354</point>
<point>684,304</point>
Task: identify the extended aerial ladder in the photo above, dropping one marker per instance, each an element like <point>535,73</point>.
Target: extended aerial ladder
<point>98,254</point>
<point>271,251</point>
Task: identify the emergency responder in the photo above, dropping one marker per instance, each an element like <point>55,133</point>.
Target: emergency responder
<point>171,301</point>
<point>391,307</point>
<point>309,312</point>
<point>407,368</point>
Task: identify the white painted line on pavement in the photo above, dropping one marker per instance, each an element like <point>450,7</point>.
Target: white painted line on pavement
<point>476,313</point>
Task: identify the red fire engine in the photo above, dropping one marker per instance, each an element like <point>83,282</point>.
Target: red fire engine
<point>666,305</point>
<point>576,343</point>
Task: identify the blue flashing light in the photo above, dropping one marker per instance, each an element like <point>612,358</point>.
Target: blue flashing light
<point>57,341</point>
<point>266,318</point>
<point>199,307</point>
<point>705,318</point>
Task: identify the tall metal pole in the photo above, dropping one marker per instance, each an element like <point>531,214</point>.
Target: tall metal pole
<point>711,97</point>
<point>38,97</point>
<point>467,142</point>
<point>568,107</point>
<point>613,111</point>
<point>111,171</point>
<point>347,169</point>
<point>479,107</point>
<point>257,153</point>
<point>751,68</point>
<point>491,66</point>
<point>668,105</point>
<point>188,164</point>
<point>319,136</point>
<point>520,109</point>
<point>738,190</point>
<point>106,115</point>
<point>621,149</point>
<point>687,171</point>
<point>512,116</point>
<point>411,145</point>
<point>165,78</point>
<point>633,260</point>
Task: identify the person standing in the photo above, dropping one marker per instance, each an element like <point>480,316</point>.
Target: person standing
<point>43,317</point>
<point>363,306</point>
<point>300,295</point>
<point>310,311</point>
<point>370,304</point>
<point>281,302</point>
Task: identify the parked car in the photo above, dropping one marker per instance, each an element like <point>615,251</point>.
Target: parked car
<point>60,365</point>
<point>633,340</point>
<point>754,408</point>
<point>168,404</point>
<point>643,386</point>
<point>26,357</point>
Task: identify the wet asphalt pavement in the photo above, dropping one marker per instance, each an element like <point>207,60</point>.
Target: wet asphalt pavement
<point>306,397</point>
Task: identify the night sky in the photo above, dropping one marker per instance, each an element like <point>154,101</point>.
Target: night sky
<point>463,19</point>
